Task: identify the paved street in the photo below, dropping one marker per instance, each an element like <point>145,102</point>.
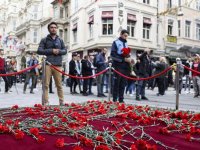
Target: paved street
<point>187,102</point>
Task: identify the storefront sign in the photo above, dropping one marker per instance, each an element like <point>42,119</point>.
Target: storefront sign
<point>120,15</point>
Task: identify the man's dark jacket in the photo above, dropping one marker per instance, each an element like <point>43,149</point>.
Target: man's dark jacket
<point>143,67</point>
<point>86,68</point>
<point>119,60</point>
<point>46,47</point>
<point>72,68</point>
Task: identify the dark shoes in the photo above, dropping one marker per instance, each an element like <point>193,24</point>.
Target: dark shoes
<point>137,98</point>
<point>144,98</point>
<point>85,94</point>
<point>51,92</point>
<point>101,95</point>
<point>32,92</point>
<point>196,96</point>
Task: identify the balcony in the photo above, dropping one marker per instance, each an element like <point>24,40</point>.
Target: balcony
<point>21,29</point>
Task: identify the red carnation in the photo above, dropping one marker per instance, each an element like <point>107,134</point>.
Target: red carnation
<point>99,138</point>
<point>9,122</point>
<point>40,139</point>
<point>34,131</point>
<point>19,134</point>
<point>126,51</point>
<point>15,107</point>
<point>60,143</point>
<point>52,129</point>
<point>77,148</point>
<point>102,147</point>
<point>133,147</point>
<point>88,143</point>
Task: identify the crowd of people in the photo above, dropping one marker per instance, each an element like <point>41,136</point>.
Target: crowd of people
<point>141,66</point>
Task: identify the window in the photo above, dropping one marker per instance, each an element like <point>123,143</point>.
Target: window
<point>35,34</point>
<point>61,33</point>
<point>66,35</point>
<point>170,27</point>
<point>198,4</point>
<point>146,1</point>
<point>131,28</point>
<point>146,31</point>
<point>61,13</point>
<point>76,5</point>
<point>198,31</point>
<point>66,12</point>
<point>169,3</point>
<point>35,12</point>
<point>179,28</point>
<point>56,12</point>
<point>107,26</point>
<point>91,30</point>
<point>187,29</point>
<point>75,32</point>
<point>179,2</point>
<point>14,25</point>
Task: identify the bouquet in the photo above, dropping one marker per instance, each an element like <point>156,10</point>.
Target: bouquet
<point>126,52</point>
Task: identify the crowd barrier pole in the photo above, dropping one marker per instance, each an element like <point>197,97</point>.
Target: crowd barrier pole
<point>43,80</point>
<point>109,81</point>
<point>177,84</point>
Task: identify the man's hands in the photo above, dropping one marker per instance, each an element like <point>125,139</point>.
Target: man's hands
<point>56,51</point>
<point>129,60</point>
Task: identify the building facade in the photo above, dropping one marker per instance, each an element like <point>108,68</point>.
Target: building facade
<point>179,28</point>
<point>96,24</point>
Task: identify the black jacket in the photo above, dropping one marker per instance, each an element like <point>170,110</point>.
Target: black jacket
<point>159,68</point>
<point>72,68</point>
<point>46,47</point>
<point>86,68</point>
<point>118,60</point>
<point>186,72</point>
<point>144,66</point>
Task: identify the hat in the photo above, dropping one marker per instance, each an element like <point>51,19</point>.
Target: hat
<point>178,59</point>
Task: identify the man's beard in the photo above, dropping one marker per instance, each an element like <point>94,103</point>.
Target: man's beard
<point>52,34</point>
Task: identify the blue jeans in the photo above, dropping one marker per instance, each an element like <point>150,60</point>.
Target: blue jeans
<point>140,90</point>
<point>130,87</point>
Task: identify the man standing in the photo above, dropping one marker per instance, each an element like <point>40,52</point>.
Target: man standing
<point>79,72</point>
<point>3,71</point>
<point>53,47</point>
<point>121,64</point>
<point>101,65</point>
<point>73,72</point>
<point>86,71</point>
<point>91,59</point>
<point>31,74</point>
<point>143,70</point>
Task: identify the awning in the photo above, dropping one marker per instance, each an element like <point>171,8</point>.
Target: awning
<point>74,27</point>
<point>107,14</point>
<point>91,20</point>
<point>175,54</point>
<point>131,17</point>
<point>147,20</point>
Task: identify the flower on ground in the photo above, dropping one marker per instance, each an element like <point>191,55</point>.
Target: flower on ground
<point>60,143</point>
<point>34,131</point>
<point>19,134</point>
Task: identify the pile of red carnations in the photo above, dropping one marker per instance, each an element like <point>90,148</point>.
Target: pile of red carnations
<point>101,125</point>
